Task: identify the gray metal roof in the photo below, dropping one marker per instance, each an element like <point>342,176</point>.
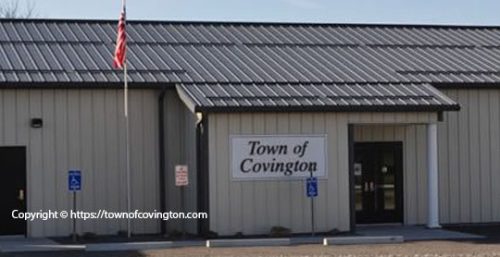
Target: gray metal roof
<point>72,51</point>
<point>217,97</point>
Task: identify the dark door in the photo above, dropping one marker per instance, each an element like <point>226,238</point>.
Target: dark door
<point>378,187</point>
<point>13,189</point>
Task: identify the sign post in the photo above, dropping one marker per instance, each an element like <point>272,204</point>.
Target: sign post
<point>182,180</point>
<point>74,184</point>
<point>312,191</point>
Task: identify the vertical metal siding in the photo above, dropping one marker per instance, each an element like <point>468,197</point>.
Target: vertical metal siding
<point>254,207</point>
<point>84,129</point>
<point>469,153</point>
<point>180,148</point>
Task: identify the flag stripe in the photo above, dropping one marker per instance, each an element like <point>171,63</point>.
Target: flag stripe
<point>121,43</point>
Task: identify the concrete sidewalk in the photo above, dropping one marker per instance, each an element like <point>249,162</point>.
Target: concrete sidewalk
<point>364,235</point>
<point>414,233</point>
<point>22,244</point>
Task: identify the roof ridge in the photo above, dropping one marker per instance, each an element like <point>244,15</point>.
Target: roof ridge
<point>258,23</point>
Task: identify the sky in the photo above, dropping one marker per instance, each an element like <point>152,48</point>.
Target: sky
<point>471,12</point>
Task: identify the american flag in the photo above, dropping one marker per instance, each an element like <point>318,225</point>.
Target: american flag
<point>121,41</point>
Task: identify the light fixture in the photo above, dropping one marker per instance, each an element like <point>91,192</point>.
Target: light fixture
<point>36,123</point>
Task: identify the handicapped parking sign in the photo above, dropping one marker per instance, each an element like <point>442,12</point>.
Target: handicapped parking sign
<point>312,187</point>
<point>74,180</point>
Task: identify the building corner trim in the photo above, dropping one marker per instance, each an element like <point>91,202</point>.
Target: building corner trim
<point>161,145</point>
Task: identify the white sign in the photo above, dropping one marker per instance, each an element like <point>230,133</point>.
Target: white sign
<point>358,169</point>
<point>278,156</point>
<point>181,175</point>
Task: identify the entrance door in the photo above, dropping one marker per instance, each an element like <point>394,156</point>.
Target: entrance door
<point>378,173</point>
<point>13,189</point>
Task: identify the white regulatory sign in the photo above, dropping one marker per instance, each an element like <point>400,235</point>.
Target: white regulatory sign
<point>181,175</point>
<point>261,157</point>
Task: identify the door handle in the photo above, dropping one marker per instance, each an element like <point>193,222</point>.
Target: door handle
<point>372,186</point>
<point>366,187</point>
<point>20,196</point>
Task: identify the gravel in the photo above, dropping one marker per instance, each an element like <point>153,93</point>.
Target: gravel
<point>413,249</point>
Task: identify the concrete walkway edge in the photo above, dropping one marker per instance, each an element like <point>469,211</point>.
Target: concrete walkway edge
<point>138,246</point>
<point>352,240</point>
<point>248,242</point>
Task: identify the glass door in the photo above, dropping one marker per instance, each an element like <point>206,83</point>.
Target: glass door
<point>378,182</point>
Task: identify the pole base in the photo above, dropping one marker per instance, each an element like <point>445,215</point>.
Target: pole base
<point>433,226</point>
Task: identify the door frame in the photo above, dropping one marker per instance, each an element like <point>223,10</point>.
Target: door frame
<point>399,179</point>
<point>24,183</point>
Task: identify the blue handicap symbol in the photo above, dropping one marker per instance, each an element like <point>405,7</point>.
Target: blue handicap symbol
<point>74,180</point>
<point>312,187</point>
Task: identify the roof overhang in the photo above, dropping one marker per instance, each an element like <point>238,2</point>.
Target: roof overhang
<point>83,85</point>
<point>314,97</point>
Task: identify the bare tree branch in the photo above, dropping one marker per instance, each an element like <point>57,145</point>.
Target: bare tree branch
<point>10,9</point>
<point>30,10</point>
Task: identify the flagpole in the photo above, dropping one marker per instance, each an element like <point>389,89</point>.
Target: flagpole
<point>127,147</point>
<point>127,128</point>
<point>120,61</point>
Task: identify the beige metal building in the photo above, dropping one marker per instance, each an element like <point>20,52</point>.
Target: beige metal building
<point>399,124</point>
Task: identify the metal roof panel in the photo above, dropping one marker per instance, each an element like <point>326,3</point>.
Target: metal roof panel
<point>229,97</point>
<point>250,52</point>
